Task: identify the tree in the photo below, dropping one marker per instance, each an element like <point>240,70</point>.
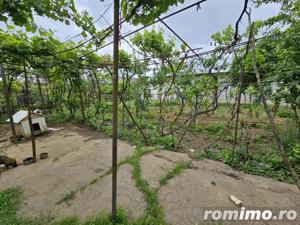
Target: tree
<point>281,55</point>
<point>280,145</point>
<point>289,11</point>
<point>153,43</point>
<point>8,103</point>
<point>288,69</point>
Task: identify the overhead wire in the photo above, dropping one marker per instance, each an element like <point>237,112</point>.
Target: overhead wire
<point>145,26</point>
<point>152,23</point>
<point>95,21</point>
<point>177,35</point>
<point>159,61</point>
<point>109,30</point>
<point>156,61</point>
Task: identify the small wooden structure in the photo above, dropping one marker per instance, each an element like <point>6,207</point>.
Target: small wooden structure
<point>22,124</point>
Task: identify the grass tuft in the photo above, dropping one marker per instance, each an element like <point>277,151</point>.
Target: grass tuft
<point>67,197</point>
<point>10,200</point>
<point>154,214</point>
<point>178,169</point>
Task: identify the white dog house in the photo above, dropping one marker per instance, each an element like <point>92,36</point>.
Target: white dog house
<point>22,124</point>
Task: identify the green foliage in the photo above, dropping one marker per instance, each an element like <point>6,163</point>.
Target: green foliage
<point>289,11</point>
<point>293,150</point>
<point>56,118</point>
<point>3,119</point>
<point>154,214</point>
<point>282,113</point>
<point>9,204</point>
<point>215,128</point>
<point>22,13</point>
<point>280,53</point>
<point>166,141</point>
<point>197,128</point>
<point>15,87</point>
<point>154,42</point>
<point>106,219</point>
<point>268,163</point>
<point>225,155</point>
<point>130,135</point>
<point>145,12</point>
<point>9,199</point>
<point>224,37</point>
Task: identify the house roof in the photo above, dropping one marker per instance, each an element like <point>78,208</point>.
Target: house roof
<point>21,115</point>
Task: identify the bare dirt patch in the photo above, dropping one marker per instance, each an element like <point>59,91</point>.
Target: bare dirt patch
<point>4,137</point>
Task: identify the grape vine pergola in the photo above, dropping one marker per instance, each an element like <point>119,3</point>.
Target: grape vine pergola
<point>115,82</point>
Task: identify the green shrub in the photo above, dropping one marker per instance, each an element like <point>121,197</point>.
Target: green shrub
<point>107,130</point>
<point>197,128</point>
<point>228,137</point>
<point>55,118</point>
<point>294,153</point>
<point>225,155</point>
<point>254,125</point>
<point>9,204</point>
<point>129,124</point>
<point>293,150</point>
<point>282,113</point>
<point>166,141</point>
<point>215,128</point>
<point>3,119</point>
<point>267,163</point>
<point>130,135</point>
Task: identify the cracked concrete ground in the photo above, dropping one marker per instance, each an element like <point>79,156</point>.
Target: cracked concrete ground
<point>157,164</point>
<point>209,185</point>
<point>78,156</point>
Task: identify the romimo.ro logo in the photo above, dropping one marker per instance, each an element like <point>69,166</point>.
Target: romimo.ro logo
<point>244,214</point>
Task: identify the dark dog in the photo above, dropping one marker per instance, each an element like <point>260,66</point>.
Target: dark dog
<point>8,161</point>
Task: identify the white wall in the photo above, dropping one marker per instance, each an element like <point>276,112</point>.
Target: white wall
<point>26,127</point>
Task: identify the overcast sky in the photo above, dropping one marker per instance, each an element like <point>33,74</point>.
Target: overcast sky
<point>195,27</point>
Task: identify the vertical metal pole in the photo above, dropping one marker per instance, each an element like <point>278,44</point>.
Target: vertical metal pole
<point>115,110</point>
<point>29,104</point>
